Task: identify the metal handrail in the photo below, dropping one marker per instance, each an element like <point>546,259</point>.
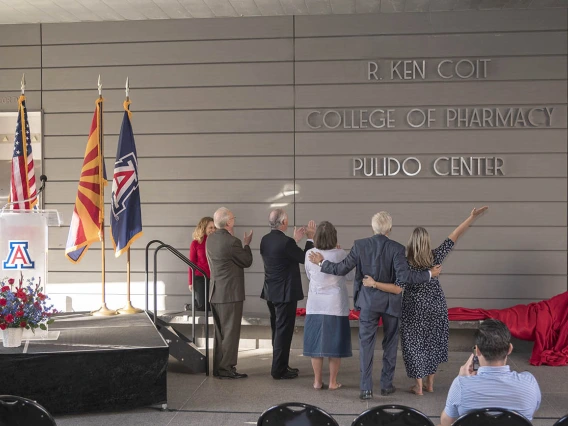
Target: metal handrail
<point>193,267</point>
<point>147,269</point>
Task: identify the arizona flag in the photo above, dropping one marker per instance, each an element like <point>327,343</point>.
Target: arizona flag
<point>88,215</point>
<point>22,182</point>
<point>126,216</point>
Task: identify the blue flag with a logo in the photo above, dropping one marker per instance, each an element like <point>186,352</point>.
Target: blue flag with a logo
<point>126,216</point>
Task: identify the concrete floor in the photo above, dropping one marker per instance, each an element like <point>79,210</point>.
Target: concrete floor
<point>206,401</point>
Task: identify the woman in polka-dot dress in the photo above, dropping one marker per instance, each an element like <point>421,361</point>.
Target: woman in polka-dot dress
<point>424,327</point>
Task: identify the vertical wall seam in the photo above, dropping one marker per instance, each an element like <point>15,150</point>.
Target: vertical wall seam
<point>294,106</point>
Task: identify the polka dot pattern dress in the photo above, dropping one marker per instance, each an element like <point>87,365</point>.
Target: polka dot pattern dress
<point>425,328</point>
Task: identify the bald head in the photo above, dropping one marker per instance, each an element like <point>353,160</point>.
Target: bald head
<point>278,219</point>
<point>224,219</point>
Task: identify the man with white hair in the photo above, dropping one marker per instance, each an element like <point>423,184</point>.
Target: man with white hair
<point>376,256</point>
<point>227,259</point>
<point>283,285</point>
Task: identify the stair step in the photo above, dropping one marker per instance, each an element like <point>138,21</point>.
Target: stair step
<point>182,349</point>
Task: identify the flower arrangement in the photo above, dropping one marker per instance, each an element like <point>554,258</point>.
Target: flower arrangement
<point>24,306</point>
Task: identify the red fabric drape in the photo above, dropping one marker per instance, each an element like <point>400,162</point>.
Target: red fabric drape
<point>545,323</point>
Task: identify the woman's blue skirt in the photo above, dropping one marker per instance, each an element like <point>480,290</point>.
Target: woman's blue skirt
<point>327,336</point>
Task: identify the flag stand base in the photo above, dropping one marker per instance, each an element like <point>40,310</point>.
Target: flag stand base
<point>129,309</point>
<point>103,311</point>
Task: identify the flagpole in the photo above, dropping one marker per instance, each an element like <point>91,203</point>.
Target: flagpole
<point>103,310</point>
<point>128,309</point>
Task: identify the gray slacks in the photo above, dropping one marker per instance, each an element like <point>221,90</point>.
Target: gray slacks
<point>227,318</point>
<point>368,326</point>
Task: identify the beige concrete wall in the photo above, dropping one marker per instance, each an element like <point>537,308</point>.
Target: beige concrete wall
<point>220,109</point>
<point>514,254</point>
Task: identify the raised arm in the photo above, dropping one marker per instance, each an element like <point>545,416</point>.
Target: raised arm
<point>295,253</point>
<point>458,232</point>
<point>242,256</point>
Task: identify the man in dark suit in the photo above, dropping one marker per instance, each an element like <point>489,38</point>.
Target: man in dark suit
<point>227,259</point>
<point>283,285</point>
<point>385,261</point>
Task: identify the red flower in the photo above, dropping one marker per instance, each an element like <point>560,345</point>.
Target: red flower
<point>3,302</point>
<point>37,305</point>
<point>20,314</point>
<point>11,281</point>
<point>23,324</point>
<point>41,296</point>
<point>2,326</point>
<point>9,318</point>
<point>5,288</point>
<point>21,294</point>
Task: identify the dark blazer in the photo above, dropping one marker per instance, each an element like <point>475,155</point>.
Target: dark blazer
<point>282,258</point>
<point>227,259</point>
<point>385,261</point>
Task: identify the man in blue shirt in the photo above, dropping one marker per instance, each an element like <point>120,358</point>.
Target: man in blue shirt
<point>493,384</point>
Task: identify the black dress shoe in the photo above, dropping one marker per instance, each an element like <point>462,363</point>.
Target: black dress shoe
<point>232,375</point>
<point>286,375</point>
<point>366,394</point>
<point>389,391</point>
<point>292,370</point>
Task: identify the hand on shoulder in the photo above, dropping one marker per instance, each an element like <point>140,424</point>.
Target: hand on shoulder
<point>315,257</point>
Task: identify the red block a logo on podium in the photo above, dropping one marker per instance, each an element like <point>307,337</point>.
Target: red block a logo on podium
<point>18,257</point>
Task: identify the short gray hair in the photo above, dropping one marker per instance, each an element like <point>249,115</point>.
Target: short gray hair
<point>221,217</point>
<point>382,223</point>
<point>276,218</point>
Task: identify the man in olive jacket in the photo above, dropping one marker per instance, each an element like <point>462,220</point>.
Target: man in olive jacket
<point>227,259</point>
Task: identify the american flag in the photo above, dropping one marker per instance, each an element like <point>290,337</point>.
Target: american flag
<point>23,183</point>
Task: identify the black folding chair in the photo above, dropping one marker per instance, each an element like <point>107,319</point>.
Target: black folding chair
<point>392,415</point>
<point>492,417</point>
<point>295,414</point>
<point>18,411</point>
<point>562,422</point>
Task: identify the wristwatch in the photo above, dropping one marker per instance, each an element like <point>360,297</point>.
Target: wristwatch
<point>321,263</point>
